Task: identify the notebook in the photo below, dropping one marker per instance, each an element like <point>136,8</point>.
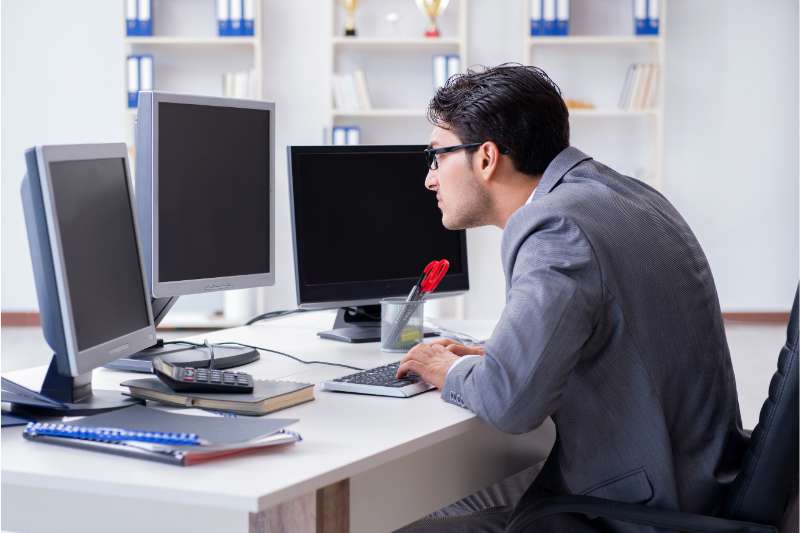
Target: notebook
<point>173,438</point>
<point>267,396</point>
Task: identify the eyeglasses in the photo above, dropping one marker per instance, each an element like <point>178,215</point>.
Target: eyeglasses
<point>431,153</point>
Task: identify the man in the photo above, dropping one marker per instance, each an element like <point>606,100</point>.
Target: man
<point>612,324</point>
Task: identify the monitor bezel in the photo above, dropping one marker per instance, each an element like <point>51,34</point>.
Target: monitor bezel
<point>83,361</point>
<point>363,292</point>
<point>164,289</point>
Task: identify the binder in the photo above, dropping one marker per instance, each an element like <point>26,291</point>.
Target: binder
<point>439,71</point>
<point>353,135</point>
<point>131,26</point>
<point>537,25</point>
<point>145,72</point>
<point>562,17</point>
<point>360,81</point>
<point>453,65</point>
<point>144,17</point>
<point>133,81</point>
<point>339,137</point>
<point>223,18</point>
<point>235,8</point>
<point>640,16</point>
<point>549,16</point>
<point>652,17</point>
<point>249,17</point>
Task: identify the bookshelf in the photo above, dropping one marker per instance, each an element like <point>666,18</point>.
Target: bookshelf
<point>392,54</point>
<point>190,57</point>
<point>590,64</point>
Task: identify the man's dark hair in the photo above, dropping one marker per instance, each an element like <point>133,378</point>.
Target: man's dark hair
<point>517,107</point>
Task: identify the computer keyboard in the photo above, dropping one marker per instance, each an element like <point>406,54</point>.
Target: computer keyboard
<point>380,381</point>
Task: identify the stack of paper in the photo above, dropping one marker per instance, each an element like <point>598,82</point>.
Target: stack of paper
<point>350,92</point>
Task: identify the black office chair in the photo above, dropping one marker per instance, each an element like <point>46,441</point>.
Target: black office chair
<point>759,497</point>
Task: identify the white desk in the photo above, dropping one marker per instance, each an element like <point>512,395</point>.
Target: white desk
<point>377,463</point>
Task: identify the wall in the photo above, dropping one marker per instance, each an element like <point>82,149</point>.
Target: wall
<point>731,130</point>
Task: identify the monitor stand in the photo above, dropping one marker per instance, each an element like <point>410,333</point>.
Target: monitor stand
<point>182,355</point>
<point>359,324</point>
<point>66,396</point>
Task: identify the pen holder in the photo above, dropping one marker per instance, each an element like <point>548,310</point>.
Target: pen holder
<point>401,324</point>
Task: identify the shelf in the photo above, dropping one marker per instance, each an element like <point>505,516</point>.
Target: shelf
<point>413,112</point>
<point>594,39</point>
<point>412,43</point>
<point>611,112</point>
<point>192,41</point>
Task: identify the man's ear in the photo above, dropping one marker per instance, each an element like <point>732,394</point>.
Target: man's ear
<point>486,160</point>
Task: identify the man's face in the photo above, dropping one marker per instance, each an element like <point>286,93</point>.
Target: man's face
<point>461,196</point>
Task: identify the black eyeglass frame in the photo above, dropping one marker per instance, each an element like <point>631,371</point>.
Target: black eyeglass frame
<point>431,153</point>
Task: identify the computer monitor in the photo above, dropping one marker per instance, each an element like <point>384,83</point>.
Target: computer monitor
<point>364,227</point>
<point>205,175</point>
<point>87,266</point>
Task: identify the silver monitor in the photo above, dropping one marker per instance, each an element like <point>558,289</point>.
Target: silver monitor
<point>205,184</point>
<point>87,263</point>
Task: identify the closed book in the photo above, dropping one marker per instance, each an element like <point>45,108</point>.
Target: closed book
<point>267,396</point>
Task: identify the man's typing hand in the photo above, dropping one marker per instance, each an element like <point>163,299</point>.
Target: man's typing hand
<point>431,361</point>
<point>459,349</point>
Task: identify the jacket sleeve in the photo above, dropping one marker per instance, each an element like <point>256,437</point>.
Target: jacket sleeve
<point>552,307</point>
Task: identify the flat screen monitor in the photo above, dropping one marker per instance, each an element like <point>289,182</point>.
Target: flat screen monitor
<point>365,226</point>
<point>87,262</point>
<point>205,184</point>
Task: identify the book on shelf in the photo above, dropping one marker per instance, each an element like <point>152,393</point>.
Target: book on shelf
<point>235,18</point>
<point>646,17</point>
<point>242,84</point>
<point>549,17</point>
<point>350,92</point>
<point>141,76</point>
<point>138,18</point>
<point>179,439</point>
<point>267,396</point>
<point>640,88</point>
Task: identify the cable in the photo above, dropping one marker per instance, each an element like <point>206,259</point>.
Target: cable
<point>274,314</point>
<point>271,351</point>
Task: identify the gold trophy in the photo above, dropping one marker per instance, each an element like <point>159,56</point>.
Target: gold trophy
<point>432,9</point>
<point>350,25</point>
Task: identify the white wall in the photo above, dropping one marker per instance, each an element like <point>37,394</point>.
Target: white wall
<point>732,121</point>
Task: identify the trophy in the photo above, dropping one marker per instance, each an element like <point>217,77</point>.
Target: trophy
<point>350,25</point>
<point>432,9</point>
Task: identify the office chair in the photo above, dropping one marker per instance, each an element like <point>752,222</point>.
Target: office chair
<point>760,494</point>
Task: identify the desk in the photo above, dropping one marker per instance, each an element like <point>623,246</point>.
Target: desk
<point>368,463</point>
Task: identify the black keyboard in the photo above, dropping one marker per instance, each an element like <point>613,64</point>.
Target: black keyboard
<point>381,381</point>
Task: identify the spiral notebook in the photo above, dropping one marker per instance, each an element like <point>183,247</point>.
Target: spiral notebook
<point>156,435</point>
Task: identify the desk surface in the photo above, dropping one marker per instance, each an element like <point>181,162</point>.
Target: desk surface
<point>344,434</point>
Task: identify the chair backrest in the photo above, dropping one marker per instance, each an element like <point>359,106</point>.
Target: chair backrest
<point>769,477</point>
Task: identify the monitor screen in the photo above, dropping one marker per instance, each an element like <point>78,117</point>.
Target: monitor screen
<point>213,191</point>
<point>101,256</point>
<point>365,225</point>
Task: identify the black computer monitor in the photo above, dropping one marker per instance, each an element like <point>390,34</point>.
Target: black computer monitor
<point>364,227</point>
<point>87,265</point>
<point>204,189</point>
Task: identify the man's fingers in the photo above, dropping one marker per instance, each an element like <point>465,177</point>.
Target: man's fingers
<point>443,342</point>
<point>409,366</point>
<point>460,350</point>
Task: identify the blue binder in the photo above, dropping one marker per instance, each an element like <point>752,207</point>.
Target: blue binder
<point>132,65</point>
<point>652,17</point>
<point>131,21</point>
<point>235,10</point>
<point>223,18</point>
<point>549,17</point>
<point>537,23</point>
<point>562,17</point>
<point>645,13</point>
<point>248,18</point>
<point>144,17</point>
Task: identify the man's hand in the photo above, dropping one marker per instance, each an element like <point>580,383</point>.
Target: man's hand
<point>459,349</point>
<point>430,361</point>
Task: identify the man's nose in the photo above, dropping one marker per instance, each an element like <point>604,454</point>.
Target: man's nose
<point>431,183</point>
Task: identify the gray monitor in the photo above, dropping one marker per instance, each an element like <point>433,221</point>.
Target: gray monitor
<point>87,264</point>
<point>205,182</point>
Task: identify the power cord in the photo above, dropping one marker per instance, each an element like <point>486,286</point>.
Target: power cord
<point>269,350</point>
<point>274,314</point>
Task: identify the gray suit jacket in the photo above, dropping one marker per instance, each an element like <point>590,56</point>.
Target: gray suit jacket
<point>612,327</point>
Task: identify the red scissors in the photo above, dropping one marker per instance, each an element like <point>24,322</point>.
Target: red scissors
<point>429,279</point>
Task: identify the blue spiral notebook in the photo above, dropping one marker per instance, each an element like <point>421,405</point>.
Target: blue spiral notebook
<point>173,438</point>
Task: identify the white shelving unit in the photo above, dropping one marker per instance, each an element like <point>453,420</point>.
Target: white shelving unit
<point>570,54</point>
<point>401,111</point>
<point>190,57</point>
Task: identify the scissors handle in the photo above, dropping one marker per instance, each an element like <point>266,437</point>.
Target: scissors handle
<point>434,273</point>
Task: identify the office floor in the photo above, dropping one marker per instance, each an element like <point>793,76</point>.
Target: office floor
<point>754,351</point>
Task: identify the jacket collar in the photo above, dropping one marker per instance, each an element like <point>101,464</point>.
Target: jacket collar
<point>565,161</point>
